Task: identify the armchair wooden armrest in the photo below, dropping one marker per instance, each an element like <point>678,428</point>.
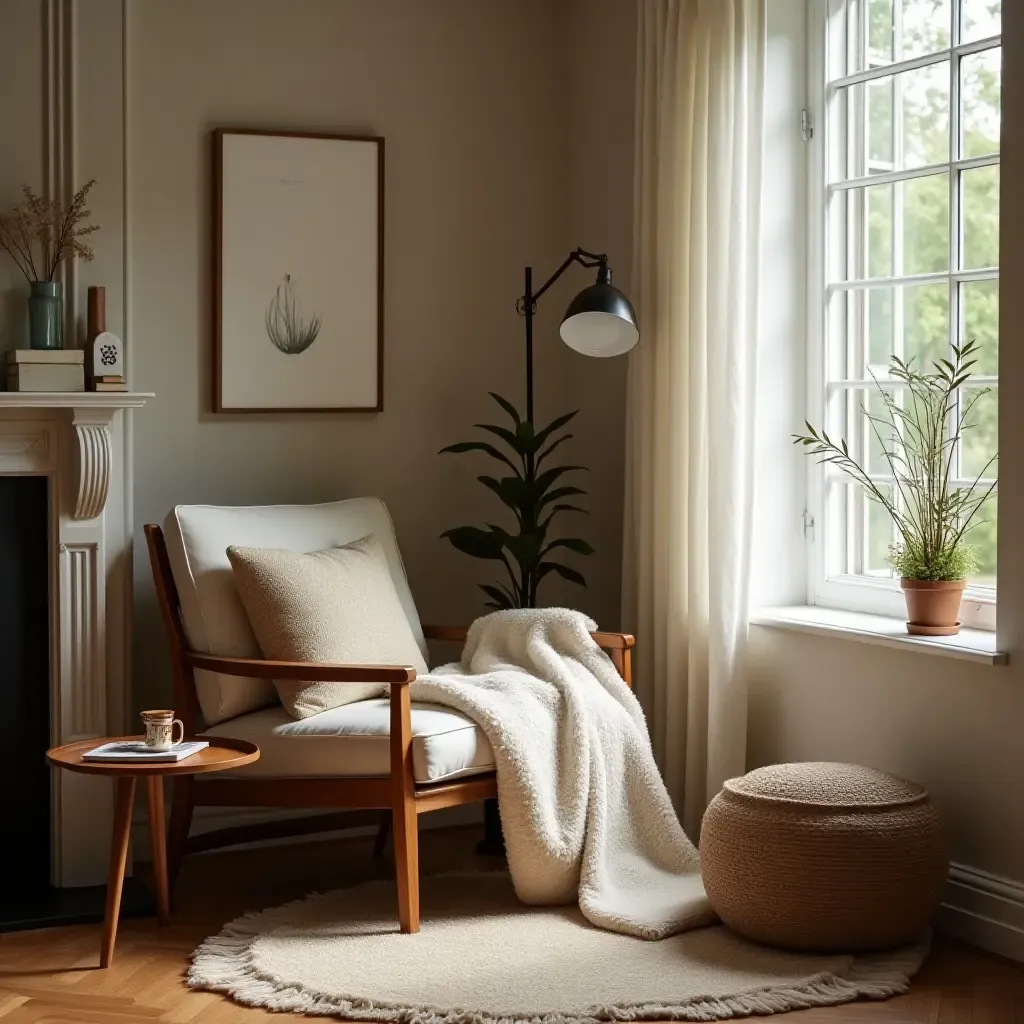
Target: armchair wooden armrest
<point>618,645</point>
<point>396,675</point>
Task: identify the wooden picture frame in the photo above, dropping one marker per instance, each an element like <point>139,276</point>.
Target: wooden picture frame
<point>298,272</point>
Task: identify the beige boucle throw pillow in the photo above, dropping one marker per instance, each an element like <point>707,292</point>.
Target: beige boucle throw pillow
<point>337,607</point>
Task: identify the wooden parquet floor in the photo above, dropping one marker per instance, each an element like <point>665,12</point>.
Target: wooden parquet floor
<point>51,977</point>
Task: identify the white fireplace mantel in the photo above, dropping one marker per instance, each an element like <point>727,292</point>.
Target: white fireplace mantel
<point>78,441</point>
<point>92,414</point>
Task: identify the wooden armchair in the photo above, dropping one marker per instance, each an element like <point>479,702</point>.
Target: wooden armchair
<point>359,792</point>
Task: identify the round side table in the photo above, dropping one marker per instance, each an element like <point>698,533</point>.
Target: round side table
<point>222,754</point>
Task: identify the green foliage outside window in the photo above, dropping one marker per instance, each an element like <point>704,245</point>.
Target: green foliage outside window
<point>923,98</point>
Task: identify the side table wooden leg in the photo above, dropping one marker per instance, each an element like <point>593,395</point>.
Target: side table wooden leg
<point>158,844</point>
<point>118,859</point>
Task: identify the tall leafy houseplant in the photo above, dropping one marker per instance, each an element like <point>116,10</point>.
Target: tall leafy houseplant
<point>532,490</point>
<point>925,418</point>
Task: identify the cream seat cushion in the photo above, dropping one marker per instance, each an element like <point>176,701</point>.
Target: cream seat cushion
<point>353,740</point>
<point>334,607</point>
<point>197,538</point>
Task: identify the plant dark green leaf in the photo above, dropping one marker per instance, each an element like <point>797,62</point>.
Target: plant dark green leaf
<point>508,436</point>
<point>525,437</point>
<point>500,598</point>
<point>525,548</point>
<point>560,492</point>
<point>507,406</point>
<point>551,447</point>
<point>556,424</point>
<point>563,570</point>
<point>476,542</point>
<point>480,446</point>
<point>549,476</point>
<point>510,489</point>
<point>580,547</point>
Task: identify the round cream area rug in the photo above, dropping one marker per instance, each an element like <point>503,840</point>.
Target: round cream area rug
<point>482,957</point>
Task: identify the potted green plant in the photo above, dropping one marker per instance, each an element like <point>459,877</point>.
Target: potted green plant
<point>535,497</point>
<point>926,414</point>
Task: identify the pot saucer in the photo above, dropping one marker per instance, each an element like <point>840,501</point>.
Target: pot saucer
<point>918,629</point>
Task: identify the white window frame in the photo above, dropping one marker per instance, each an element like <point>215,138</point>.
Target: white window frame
<point>877,595</point>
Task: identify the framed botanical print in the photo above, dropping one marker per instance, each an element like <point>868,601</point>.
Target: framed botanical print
<point>298,272</point>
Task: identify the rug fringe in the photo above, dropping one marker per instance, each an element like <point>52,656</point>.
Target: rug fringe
<point>225,963</point>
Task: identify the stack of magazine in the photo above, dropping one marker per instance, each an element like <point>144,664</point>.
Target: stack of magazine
<point>137,751</point>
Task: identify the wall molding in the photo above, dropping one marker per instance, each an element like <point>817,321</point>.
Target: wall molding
<point>984,910</point>
<point>60,132</point>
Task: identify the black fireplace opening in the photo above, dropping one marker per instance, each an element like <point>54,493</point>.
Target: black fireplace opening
<point>24,681</point>
<point>27,899</point>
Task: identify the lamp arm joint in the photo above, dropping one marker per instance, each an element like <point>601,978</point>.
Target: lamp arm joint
<point>528,303</point>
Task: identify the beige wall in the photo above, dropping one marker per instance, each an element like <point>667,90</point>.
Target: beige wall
<point>482,177</point>
<point>468,98</point>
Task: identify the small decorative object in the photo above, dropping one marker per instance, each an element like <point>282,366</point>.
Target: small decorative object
<point>599,322</point>
<point>40,234</point>
<point>918,435</point>
<point>823,856</point>
<point>298,265</point>
<point>104,364</point>
<point>31,369</point>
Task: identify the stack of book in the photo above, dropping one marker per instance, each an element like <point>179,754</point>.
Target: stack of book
<point>57,369</point>
<point>109,383</point>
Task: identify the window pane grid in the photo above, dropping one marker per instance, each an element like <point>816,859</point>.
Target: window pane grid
<point>887,177</point>
<point>882,71</point>
<point>911,264</point>
<point>959,276</point>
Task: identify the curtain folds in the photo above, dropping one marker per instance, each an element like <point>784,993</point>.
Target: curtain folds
<point>689,478</point>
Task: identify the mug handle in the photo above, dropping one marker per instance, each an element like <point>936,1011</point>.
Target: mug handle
<point>181,734</point>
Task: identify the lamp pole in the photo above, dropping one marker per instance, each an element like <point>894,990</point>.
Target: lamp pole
<point>529,305</point>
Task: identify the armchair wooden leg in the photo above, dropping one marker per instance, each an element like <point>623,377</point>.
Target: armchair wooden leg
<point>407,867</point>
<point>403,812</point>
<point>181,821</point>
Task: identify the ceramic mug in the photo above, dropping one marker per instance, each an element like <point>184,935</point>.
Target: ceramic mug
<point>160,729</point>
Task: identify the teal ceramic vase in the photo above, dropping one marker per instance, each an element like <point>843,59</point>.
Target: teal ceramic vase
<point>45,315</point>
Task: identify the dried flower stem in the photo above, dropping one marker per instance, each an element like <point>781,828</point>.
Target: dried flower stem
<point>45,227</point>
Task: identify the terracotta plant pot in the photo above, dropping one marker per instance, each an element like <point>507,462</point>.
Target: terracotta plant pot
<point>933,606</point>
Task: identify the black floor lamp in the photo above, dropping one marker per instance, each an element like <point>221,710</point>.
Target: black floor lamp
<point>599,322</point>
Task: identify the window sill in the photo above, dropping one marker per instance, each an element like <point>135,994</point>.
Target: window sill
<point>974,645</point>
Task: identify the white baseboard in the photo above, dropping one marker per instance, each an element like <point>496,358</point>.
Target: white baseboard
<point>984,910</point>
<point>210,819</point>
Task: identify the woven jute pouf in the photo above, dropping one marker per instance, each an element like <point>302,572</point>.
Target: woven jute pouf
<point>824,856</point>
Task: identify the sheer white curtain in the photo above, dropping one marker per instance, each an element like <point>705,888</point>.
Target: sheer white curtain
<point>700,79</point>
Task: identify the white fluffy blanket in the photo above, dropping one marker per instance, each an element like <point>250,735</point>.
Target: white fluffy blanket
<point>584,810</point>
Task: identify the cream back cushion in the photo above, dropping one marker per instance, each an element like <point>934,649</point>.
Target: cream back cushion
<point>215,622</point>
<point>335,607</point>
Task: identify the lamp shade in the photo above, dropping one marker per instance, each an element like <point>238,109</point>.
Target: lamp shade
<point>600,321</point>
